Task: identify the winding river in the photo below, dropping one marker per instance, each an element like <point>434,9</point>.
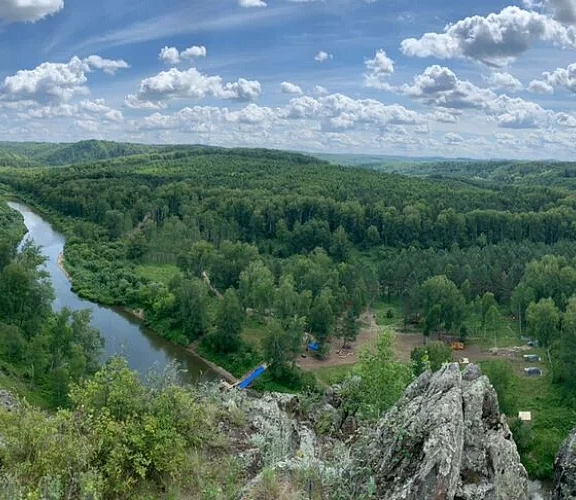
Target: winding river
<point>123,334</point>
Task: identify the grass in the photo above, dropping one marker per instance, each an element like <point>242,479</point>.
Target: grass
<point>254,333</point>
<point>331,375</point>
<point>158,274</point>
<point>553,417</point>
<point>381,309</point>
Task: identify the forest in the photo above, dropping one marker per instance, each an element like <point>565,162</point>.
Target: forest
<point>243,253</point>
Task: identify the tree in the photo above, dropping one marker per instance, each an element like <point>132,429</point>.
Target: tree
<point>282,344</point>
<point>193,308</point>
<point>543,321</point>
<point>229,322</point>
<point>341,246</point>
<point>432,356</point>
<point>488,301</point>
<point>440,292</point>
<point>322,316</point>
<point>257,287</point>
<point>348,327</point>
<point>286,299</point>
<point>383,379</point>
<point>565,352</point>
<point>491,320</point>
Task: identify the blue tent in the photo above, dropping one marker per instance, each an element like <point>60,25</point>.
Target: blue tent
<point>314,346</point>
<point>250,378</point>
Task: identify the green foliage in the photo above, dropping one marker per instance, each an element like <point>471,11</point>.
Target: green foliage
<point>430,357</point>
<point>229,320</point>
<point>383,379</point>
<point>543,321</point>
<point>117,435</point>
<point>442,303</point>
<point>282,345</point>
<point>503,379</point>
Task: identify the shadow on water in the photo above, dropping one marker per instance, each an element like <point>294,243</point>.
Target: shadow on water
<point>123,334</point>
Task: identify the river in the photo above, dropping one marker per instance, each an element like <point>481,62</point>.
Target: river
<point>123,334</point>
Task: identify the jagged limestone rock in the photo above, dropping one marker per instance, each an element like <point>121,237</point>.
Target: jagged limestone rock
<point>565,470</point>
<point>446,439</point>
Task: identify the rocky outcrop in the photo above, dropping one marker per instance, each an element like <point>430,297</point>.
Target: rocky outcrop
<point>565,470</point>
<point>7,400</point>
<point>446,439</point>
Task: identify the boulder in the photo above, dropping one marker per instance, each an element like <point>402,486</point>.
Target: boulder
<point>565,470</point>
<point>446,439</point>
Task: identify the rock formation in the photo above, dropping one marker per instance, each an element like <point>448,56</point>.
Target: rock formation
<point>446,439</point>
<point>565,470</point>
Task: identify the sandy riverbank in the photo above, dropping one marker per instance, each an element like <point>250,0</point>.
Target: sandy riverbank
<point>62,268</point>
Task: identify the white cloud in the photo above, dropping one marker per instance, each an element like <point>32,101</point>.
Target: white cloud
<point>55,82</point>
<point>453,139</point>
<point>108,66</point>
<point>323,56</point>
<point>540,87</point>
<point>193,52</point>
<point>340,112</point>
<point>518,113</point>
<point>562,77</point>
<point>290,88</point>
<point>502,80</point>
<point>378,70</point>
<point>29,10</point>
<point>442,117</point>
<point>252,3</point>
<point>438,86</point>
<point>563,11</point>
<point>171,55</point>
<point>495,39</point>
<point>320,90</point>
<point>174,84</point>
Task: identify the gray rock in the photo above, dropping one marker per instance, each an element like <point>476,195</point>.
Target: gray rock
<point>8,401</point>
<point>565,470</point>
<point>446,439</point>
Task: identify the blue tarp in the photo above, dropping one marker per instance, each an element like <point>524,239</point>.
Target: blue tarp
<point>315,346</point>
<point>253,376</point>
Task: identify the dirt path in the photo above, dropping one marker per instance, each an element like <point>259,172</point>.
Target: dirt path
<point>337,356</point>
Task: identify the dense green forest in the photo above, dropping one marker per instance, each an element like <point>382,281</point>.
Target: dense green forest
<point>211,243</point>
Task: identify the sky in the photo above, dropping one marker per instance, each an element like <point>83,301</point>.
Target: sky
<point>451,78</point>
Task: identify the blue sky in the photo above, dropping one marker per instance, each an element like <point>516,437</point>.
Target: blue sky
<point>451,78</point>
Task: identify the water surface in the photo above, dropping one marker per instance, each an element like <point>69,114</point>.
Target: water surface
<point>123,334</point>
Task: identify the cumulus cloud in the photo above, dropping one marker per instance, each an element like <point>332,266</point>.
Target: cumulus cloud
<point>540,87</point>
<point>453,139</point>
<point>563,11</point>
<point>29,10</point>
<point>496,39</point>
<point>55,82</point>
<point>502,80</point>
<point>438,86</point>
<point>320,90</point>
<point>290,88</point>
<point>562,77</point>
<point>174,84</point>
<point>171,55</point>
<point>378,70</point>
<point>323,56</point>
<point>108,66</point>
<point>340,112</point>
<point>252,3</point>
<point>518,113</point>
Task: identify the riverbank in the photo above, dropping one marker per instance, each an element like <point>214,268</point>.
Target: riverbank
<point>139,315</point>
